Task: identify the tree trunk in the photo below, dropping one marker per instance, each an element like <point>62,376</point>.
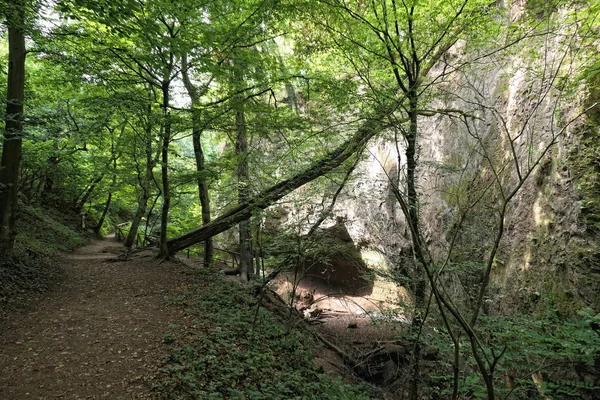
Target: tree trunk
<point>98,227</point>
<point>199,155</point>
<point>164,218</point>
<point>243,178</point>
<point>411,189</point>
<point>136,221</point>
<point>202,188</point>
<point>11,149</point>
<point>241,212</point>
<point>413,216</point>
<point>145,185</point>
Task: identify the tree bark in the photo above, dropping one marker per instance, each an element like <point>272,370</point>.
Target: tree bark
<point>411,186</point>
<point>413,215</point>
<point>203,194</point>
<point>98,227</point>
<point>137,220</point>
<point>333,159</point>
<point>164,218</point>
<point>12,145</point>
<point>144,183</point>
<point>243,178</point>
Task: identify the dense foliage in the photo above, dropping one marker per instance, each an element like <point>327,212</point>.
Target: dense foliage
<point>154,118</point>
<point>238,350</point>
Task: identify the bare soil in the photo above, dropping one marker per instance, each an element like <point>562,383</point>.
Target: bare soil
<point>98,335</point>
<point>361,325</point>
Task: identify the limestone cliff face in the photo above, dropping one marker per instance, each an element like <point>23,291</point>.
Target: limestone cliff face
<point>511,108</point>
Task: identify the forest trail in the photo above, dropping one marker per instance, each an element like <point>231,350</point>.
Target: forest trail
<point>98,334</point>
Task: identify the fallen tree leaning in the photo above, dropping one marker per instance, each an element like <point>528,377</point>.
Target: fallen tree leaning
<point>244,211</point>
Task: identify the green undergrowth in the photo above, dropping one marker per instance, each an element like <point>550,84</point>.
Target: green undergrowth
<point>41,235</point>
<point>236,350</point>
<point>564,353</point>
<point>47,232</point>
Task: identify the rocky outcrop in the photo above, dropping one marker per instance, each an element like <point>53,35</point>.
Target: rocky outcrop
<point>513,123</point>
<point>549,249</point>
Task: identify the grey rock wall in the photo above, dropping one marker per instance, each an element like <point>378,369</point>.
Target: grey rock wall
<point>546,252</point>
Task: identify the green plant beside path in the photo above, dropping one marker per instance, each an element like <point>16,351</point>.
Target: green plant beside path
<point>220,357</point>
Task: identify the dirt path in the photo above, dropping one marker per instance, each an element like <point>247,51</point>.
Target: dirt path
<point>98,335</point>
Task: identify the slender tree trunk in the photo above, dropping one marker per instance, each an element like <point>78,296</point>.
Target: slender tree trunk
<point>203,193</point>
<point>136,221</point>
<point>446,305</point>
<point>243,177</point>
<point>12,145</point>
<point>98,228</point>
<point>149,227</point>
<point>202,187</point>
<point>164,218</point>
<point>139,214</point>
<point>80,201</point>
<point>292,97</point>
<point>241,146</point>
<point>411,186</point>
<point>145,183</point>
<point>413,216</point>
